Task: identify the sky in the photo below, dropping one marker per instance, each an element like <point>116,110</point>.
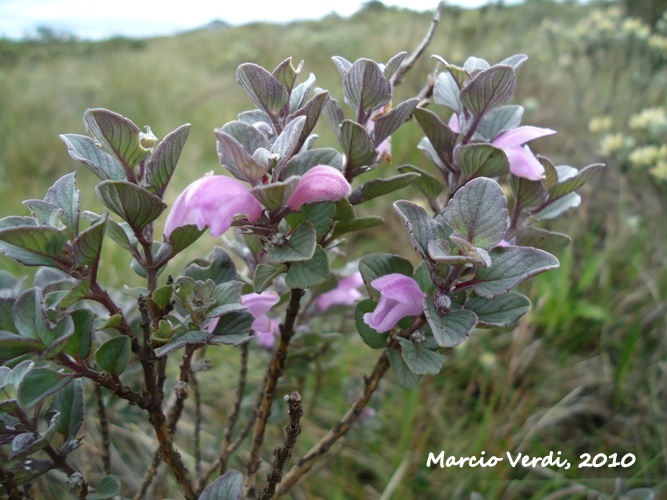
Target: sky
<point>97,19</point>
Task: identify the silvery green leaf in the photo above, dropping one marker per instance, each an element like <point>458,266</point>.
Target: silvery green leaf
<point>320,215</point>
<point>548,241</point>
<point>236,158</point>
<point>446,92</point>
<point>309,273</point>
<point>357,144</point>
<point>342,65</point>
<point>356,224</point>
<point>473,64</point>
<point>365,86</point>
<point>477,256</point>
<point>300,94</point>
<point>393,64</point>
<point>404,376</point>
<point>388,123</point>
<point>45,214</point>
<point>68,402</point>
<point>64,195</point>
<point>440,251</point>
<point>35,245</point>
<point>233,328</point>
<point>428,184</point>
<point>312,111</point>
<point>478,212</point>
<point>460,75</point>
<point>302,162</point>
<point>30,319</point>
<point>39,383</point>
<point>376,265</point>
<point>504,310</point>
<point>135,205</point>
<point>163,161</point>
<point>570,179</point>
<point>481,160</point>
<point>88,245</point>
<point>300,246</point>
<point>264,90</point>
<point>264,274</point>
<point>273,196</point>
<point>89,152</point>
<point>449,328</point>
<point>421,227</point>
<point>380,186</point>
<point>499,120</point>
<point>419,359</point>
<point>510,266</point>
<point>113,355</point>
<point>334,116</point>
<point>288,142</point>
<point>429,151</point>
<point>441,137</point>
<point>557,207</point>
<point>180,239</point>
<point>227,298</point>
<point>229,486</point>
<point>191,337</point>
<point>489,89</point>
<point>261,121</point>
<point>218,267</point>
<point>287,74</point>
<point>14,376</point>
<point>117,134</point>
<point>526,192</point>
<point>515,61</point>
<point>27,443</point>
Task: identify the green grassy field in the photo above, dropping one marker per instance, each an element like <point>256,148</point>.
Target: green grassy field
<point>584,372</point>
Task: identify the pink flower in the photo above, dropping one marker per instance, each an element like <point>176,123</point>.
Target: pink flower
<point>320,183</point>
<point>384,148</point>
<point>345,294</point>
<point>212,201</point>
<point>264,327</point>
<point>522,161</point>
<point>400,296</point>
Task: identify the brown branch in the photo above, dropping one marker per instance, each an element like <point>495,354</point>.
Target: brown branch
<point>284,453</point>
<point>104,429</point>
<point>7,481</point>
<point>273,375</point>
<point>407,64</point>
<point>197,436</point>
<point>304,464</point>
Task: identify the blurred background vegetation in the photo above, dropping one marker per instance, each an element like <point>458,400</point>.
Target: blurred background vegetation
<point>584,372</point>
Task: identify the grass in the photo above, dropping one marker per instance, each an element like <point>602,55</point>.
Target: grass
<point>584,372</point>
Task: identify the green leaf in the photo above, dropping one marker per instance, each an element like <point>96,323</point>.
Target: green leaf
<point>300,247</point>
<point>334,116</point>
<point>229,486</point>
<point>526,192</point>
<point>14,376</point>
<point>404,376</point>
<point>227,298</point>
<point>393,64</point>
<point>13,346</point>
<point>357,224</point>
<point>311,111</point>
<point>64,195</point>
<point>478,212</point>
<point>379,187</point>
<point>275,195</point>
<point>68,401</point>
<point>552,209</point>
<point>88,245</point>
<point>236,159</point>
<point>233,328</point>
<point>499,120</point>
<point>320,215</point>
<point>88,151</point>
<point>195,337</point>
<point>137,206</point>
<point>482,160</point>
<point>264,90</point>
<point>35,246</point>
<point>163,162</point>
<point>79,344</point>
<point>421,227</point>
<point>510,266</point>
<point>300,93</point>
<point>548,241</point>
<point>489,88</point>
<point>441,137</point>
<point>180,239</point>
<point>302,162</point>
<point>108,488</point>
<point>446,90</point>
<point>419,359</point>
<point>264,274</point>
<point>218,267</point>
<point>388,123</point>
<point>428,184</point>
<point>38,384</point>
<point>375,265</point>
<point>309,273</point>
<point>504,310</point>
<point>30,317</point>
<point>112,356</point>
<point>369,335</point>
<point>440,251</point>
<point>365,86</point>
<point>287,74</point>
<point>118,135</point>
<point>450,328</point>
<point>66,298</point>
<point>357,145</point>
<point>161,296</point>
<point>572,181</point>
<point>62,332</point>
<point>27,443</point>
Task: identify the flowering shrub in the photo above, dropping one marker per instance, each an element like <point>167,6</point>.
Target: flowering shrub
<point>290,204</point>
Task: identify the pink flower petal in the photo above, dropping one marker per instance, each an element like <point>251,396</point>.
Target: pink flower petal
<point>320,183</point>
<point>212,201</point>
<point>345,294</point>
<point>524,164</point>
<point>400,296</point>
<point>454,123</point>
<point>259,305</point>
<point>520,136</point>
